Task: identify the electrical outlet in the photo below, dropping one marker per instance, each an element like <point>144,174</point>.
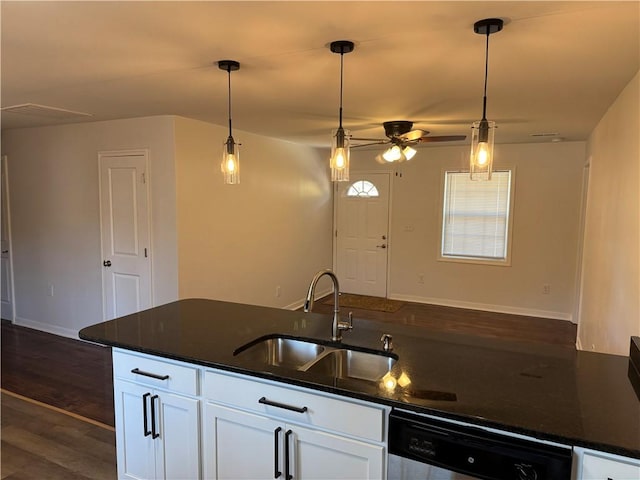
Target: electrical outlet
<point>546,289</point>
<point>421,278</point>
<point>50,290</point>
<point>278,291</point>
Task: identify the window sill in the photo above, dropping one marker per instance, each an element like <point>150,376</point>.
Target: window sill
<point>477,261</point>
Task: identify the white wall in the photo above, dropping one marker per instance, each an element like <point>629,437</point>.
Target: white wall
<point>240,242</point>
<point>546,216</point>
<point>53,177</point>
<point>610,296</point>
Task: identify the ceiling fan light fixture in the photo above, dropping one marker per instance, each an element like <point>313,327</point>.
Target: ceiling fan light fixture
<point>409,152</point>
<point>340,139</point>
<point>230,165</point>
<point>393,154</point>
<point>482,131</point>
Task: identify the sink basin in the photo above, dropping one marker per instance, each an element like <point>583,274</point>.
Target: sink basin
<point>343,363</point>
<point>282,352</point>
<point>305,355</point>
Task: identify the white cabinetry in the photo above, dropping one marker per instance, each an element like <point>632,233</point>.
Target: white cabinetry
<point>157,418</point>
<point>258,429</point>
<point>596,465</point>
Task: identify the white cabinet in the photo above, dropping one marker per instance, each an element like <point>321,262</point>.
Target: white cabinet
<point>255,429</point>
<point>596,465</point>
<point>157,418</point>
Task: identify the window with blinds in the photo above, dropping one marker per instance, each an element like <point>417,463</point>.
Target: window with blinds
<point>475,217</point>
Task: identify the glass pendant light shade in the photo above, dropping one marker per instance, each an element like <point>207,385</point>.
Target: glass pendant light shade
<point>481,160</point>
<point>340,152</point>
<point>230,165</point>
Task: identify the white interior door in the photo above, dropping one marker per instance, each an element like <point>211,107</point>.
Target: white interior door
<point>126,261</point>
<point>6,280</point>
<point>362,233</point>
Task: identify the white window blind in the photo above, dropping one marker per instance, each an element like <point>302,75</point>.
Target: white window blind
<point>476,216</point>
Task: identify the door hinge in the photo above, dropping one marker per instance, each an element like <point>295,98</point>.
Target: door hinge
<point>144,178</point>
<point>145,252</point>
<point>336,233</point>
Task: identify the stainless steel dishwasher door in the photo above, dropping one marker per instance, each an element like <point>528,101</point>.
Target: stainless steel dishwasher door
<point>401,468</point>
<point>425,448</point>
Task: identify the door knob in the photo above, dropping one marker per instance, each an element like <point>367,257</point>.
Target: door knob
<point>384,237</point>
<point>381,246</point>
<point>107,263</point>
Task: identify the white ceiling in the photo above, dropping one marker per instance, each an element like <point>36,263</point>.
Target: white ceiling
<point>555,68</point>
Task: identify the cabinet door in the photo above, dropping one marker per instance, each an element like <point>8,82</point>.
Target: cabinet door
<point>134,445</point>
<point>323,456</point>
<point>596,467</point>
<point>239,445</point>
<point>178,444</point>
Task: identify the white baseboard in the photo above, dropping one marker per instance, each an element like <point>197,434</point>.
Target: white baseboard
<point>529,312</point>
<point>46,327</point>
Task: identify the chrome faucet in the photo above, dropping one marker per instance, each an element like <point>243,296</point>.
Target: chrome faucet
<point>338,326</point>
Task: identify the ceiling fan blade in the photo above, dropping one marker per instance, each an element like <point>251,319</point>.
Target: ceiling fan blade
<point>369,139</point>
<point>442,138</point>
<point>413,135</point>
<point>377,142</point>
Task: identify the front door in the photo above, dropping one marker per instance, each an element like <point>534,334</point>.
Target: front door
<point>126,262</point>
<point>362,232</point>
<point>6,281</point>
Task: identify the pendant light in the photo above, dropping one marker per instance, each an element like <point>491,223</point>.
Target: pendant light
<point>339,161</point>
<point>230,165</point>
<point>482,132</point>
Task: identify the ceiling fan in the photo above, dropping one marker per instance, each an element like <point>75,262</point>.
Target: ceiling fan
<point>401,137</point>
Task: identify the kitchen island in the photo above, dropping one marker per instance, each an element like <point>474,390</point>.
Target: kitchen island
<point>555,394</point>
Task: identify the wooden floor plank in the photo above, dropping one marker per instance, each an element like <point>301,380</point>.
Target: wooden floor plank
<point>39,442</point>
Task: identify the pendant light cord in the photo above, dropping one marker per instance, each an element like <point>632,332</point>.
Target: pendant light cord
<point>341,74</point>
<point>229,75</point>
<point>486,74</point>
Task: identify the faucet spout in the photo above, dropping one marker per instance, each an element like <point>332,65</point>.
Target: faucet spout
<point>337,326</point>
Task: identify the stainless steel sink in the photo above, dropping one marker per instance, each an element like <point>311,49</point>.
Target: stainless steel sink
<point>282,352</point>
<point>308,356</point>
<point>344,363</point>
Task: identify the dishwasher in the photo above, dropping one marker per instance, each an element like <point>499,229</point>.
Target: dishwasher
<point>424,448</point>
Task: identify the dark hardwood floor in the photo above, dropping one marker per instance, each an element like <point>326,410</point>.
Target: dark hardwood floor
<point>471,322</point>
<point>76,376</point>
<point>70,374</point>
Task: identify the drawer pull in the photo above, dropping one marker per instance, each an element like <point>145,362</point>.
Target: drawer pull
<point>264,401</point>
<point>137,371</point>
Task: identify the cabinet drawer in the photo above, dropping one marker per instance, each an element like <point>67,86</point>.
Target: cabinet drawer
<point>359,419</point>
<point>156,372</point>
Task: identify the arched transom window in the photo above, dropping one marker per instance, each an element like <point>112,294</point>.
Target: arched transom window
<point>362,188</point>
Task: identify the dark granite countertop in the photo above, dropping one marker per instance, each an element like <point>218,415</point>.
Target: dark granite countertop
<point>553,393</point>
